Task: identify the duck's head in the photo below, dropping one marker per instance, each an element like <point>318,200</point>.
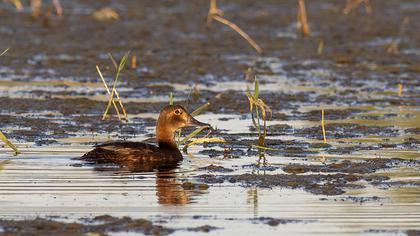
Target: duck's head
<point>171,118</point>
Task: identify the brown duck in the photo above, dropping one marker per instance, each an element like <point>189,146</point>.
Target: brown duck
<point>139,156</point>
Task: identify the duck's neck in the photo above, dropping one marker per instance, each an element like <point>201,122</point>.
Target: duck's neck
<point>166,138</point>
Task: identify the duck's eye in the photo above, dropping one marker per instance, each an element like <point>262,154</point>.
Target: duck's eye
<point>178,112</point>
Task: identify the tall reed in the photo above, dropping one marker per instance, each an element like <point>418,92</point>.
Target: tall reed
<point>217,14</point>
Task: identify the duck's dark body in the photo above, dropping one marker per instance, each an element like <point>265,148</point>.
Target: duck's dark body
<point>137,156</point>
<point>134,156</point>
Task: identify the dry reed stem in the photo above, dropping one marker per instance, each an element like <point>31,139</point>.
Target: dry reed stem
<point>118,68</point>
<point>8,143</point>
<point>36,7</point>
<point>323,159</point>
<point>109,92</point>
<point>400,89</point>
<point>239,31</point>
<point>18,4</point>
<point>320,48</point>
<point>213,10</point>
<point>133,62</point>
<point>351,4</point>
<point>216,14</point>
<point>121,105</point>
<point>323,126</point>
<point>393,47</point>
<point>265,109</point>
<point>57,7</point>
<point>302,21</point>
<point>4,52</point>
<point>249,74</point>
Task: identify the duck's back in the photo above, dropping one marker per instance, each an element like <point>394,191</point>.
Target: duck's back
<point>134,154</point>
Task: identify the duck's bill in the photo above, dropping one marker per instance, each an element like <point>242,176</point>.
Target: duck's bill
<point>196,123</point>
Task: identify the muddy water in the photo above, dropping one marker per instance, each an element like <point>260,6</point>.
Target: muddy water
<point>365,180</point>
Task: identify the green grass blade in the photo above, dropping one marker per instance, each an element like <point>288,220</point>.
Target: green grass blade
<point>171,98</point>
<point>256,89</point>
<point>205,140</point>
<point>192,134</point>
<point>200,109</point>
<point>123,61</point>
<point>8,143</point>
<point>111,97</point>
<point>264,148</point>
<point>114,62</point>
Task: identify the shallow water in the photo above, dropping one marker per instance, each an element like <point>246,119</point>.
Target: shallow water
<point>42,184</point>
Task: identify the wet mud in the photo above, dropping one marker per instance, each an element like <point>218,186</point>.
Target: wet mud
<point>104,225</point>
<point>331,184</point>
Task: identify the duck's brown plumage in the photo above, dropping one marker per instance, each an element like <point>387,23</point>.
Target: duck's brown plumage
<point>146,157</point>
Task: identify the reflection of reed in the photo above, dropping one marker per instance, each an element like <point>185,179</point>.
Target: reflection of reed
<point>169,190</point>
<point>253,199</point>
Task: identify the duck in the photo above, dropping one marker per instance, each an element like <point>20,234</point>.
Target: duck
<point>141,156</point>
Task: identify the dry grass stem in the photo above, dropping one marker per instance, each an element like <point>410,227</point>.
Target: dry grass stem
<point>118,68</point>
<point>323,126</point>
<point>302,21</point>
<point>18,4</point>
<point>351,4</point>
<point>4,52</point>
<point>400,89</point>
<point>213,10</point>
<point>121,105</point>
<point>133,62</point>
<point>57,7</point>
<point>36,6</point>
<point>8,143</point>
<point>320,48</point>
<point>249,74</point>
<point>323,159</point>
<point>109,92</point>
<point>204,140</point>
<point>393,47</point>
<point>216,14</point>
<point>257,106</point>
<point>240,32</point>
